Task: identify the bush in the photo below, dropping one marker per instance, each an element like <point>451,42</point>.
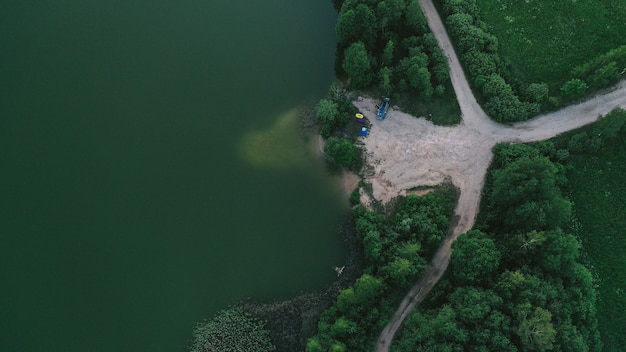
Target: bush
<point>537,92</point>
<point>342,152</point>
<point>604,69</point>
<point>574,88</point>
<point>579,143</point>
<point>355,196</point>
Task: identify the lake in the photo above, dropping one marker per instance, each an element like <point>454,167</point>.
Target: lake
<point>151,171</point>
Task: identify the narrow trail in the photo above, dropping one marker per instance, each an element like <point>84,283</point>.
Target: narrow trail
<point>406,152</point>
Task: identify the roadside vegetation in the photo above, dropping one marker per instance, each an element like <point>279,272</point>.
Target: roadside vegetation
<point>397,247</point>
<point>528,57</point>
<point>479,50</point>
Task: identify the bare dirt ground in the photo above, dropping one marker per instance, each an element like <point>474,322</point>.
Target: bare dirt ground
<point>406,152</point>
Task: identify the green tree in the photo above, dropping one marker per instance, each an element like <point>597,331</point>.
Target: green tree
<point>342,152</point>
<point>389,12</point>
<point>314,345</point>
<point>440,69</point>
<point>535,328</point>
<point>388,53</point>
<point>481,64</point>
<point>327,111</point>
<point>461,6</point>
<point>338,347</point>
<point>357,65</point>
<point>347,28</point>
<point>474,259</point>
<point>537,92</point>
<point>400,271</point>
<point>459,25</point>
<point>372,246</point>
<point>497,86</point>
<point>415,69</point>
<point>505,154</point>
<point>354,301</point>
<point>438,331</point>
<point>525,197</point>
<point>574,88</point>
<point>355,23</point>
<point>231,330</point>
<point>472,305</point>
<point>343,327</point>
<point>336,92</point>
<point>384,84</point>
<point>510,283</point>
<point>414,18</point>
<point>558,253</point>
<point>368,289</point>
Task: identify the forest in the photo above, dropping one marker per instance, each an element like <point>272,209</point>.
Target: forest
<point>516,282</point>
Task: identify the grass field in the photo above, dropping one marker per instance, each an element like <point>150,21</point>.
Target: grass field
<point>442,111</point>
<point>544,40</point>
<point>599,194</point>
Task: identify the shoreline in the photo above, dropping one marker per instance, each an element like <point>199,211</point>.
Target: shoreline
<point>293,321</point>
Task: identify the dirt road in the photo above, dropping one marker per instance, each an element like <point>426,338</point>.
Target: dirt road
<point>406,152</point>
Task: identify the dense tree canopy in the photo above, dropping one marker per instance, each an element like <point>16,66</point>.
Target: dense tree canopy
<point>357,65</point>
<point>525,196</point>
<point>385,44</point>
<point>475,257</point>
<point>512,287</point>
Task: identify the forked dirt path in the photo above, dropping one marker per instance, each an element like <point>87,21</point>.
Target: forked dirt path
<point>406,152</point>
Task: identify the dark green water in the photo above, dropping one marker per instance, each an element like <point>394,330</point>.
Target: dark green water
<point>126,210</point>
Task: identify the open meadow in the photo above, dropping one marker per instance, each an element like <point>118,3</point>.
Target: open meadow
<point>543,40</point>
<point>596,165</point>
<point>599,195</point>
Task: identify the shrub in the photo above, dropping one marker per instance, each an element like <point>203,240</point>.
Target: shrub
<point>342,152</point>
<point>579,143</point>
<point>574,88</point>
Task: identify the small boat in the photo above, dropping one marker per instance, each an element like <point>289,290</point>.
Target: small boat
<point>382,110</point>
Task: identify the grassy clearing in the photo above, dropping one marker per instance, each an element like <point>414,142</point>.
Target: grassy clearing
<point>599,195</point>
<point>543,40</point>
<point>442,111</point>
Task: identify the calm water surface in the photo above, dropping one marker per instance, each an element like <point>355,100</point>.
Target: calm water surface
<point>127,212</point>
